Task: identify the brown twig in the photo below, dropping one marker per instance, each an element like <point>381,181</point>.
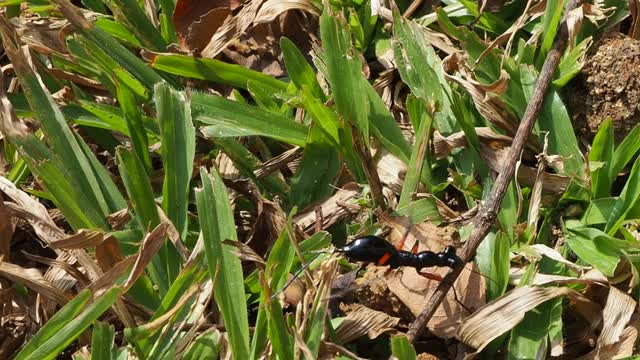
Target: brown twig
<point>487,215</point>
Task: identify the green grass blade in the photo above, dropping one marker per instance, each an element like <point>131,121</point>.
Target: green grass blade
<point>627,149</point>
<point>217,224</point>
<point>402,349</point>
<point>214,70</point>
<point>178,151</point>
<point>411,52</point>
<point>493,261</point>
<point>206,346</point>
<point>55,344</point>
<point>317,172</point>
<point>626,201</point>
<point>555,120</point>
<point>131,13</point>
<point>228,118</point>
<point>247,163</point>
<point>102,341</point>
<point>419,159</point>
<point>129,61</point>
<point>138,185</point>
<point>133,116</point>
<point>57,132</point>
<point>299,70</point>
<point>52,327</point>
<point>600,158</point>
<point>596,248</point>
<point>344,71</point>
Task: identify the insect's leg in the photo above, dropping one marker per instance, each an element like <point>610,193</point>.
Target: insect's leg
<point>431,276</point>
<point>455,297</point>
<point>414,248</point>
<point>404,239</point>
<point>455,292</point>
<point>295,276</point>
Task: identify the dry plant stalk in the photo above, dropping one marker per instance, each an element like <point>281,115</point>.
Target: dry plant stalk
<point>488,214</point>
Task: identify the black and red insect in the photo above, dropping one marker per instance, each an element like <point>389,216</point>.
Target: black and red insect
<point>374,249</point>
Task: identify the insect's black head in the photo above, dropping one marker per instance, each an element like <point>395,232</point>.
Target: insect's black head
<point>367,249</point>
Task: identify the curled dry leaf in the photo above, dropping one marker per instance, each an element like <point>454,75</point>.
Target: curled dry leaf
<point>119,219</point>
<point>245,253</point>
<point>364,321</point>
<point>616,315</point>
<point>554,183</point>
<point>32,211</point>
<point>113,274</point>
<point>173,234</point>
<point>196,21</point>
<point>231,29</point>
<point>336,208</point>
<point>503,314</point>
<point>80,240</point>
<point>270,10</point>
<point>33,279</point>
<point>489,106</point>
<point>151,243</point>
<point>552,254</point>
<point>592,277</point>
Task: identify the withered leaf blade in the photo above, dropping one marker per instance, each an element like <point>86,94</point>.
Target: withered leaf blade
<point>364,321</point>
<point>414,290</point>
<point>503,314</point>
<point>33,279</point>
<point>151,243</point>
<point>616,315</point>
<point>82,239</point>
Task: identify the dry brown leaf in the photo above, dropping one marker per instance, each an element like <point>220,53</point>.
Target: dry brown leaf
<point>490,107</point>
<point>119,219</point>
<point>542,249</point>
<point>623,349</point>
<point>173,234</point>
<point>108,279</point>
<point>33,279</point>
<point>77,274</point>
<point>391,170</point>
<point>245,253</point>
<point>592,277</point>
<point>196,21</point>
<point>414,290</point>
<point>364,321</point>
<point>271,9</point>
<point>617,312</point>
<point>535,201</point>
<point>554,183</point>
<point>108,253</point>
<point>80,240</point>
<point>151,243</point>
<point>334,209</point>
<point>31,211</point>
<point>503,314</point>
<point>231,29</point>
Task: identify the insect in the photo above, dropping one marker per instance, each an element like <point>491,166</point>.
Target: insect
<point>374,249</point>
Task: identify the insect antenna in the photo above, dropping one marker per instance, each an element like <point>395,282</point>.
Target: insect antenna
<point>297,274</point>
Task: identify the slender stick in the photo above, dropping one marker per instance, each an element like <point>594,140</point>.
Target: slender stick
<point>487,215</point>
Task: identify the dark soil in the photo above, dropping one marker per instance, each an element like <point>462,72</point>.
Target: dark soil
<point>608,86</point>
